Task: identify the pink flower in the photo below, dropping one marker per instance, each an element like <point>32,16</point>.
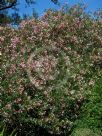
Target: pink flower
<point>36,29</point>
<point>23,65</point>
<point>1,39</point>
<point>15,41</point>
<point>61,26</point>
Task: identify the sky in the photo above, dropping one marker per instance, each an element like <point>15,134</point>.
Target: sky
<point>41,5</point>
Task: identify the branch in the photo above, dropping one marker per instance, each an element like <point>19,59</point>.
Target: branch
<point>55,1</point>
<point>9,6</point>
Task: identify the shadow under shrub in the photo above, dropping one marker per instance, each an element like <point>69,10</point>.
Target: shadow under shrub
<point>46,67</point>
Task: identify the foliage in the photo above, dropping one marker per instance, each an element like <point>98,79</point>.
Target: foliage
<point>47,65</point>
<point>84,132</point>
<point>6,19</point>
<point>3,133</point>
<point>14,17</point>
<point>91,117</point>
<point>7,4</point>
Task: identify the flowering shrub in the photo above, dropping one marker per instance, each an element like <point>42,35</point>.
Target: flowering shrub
<point>46,66</point>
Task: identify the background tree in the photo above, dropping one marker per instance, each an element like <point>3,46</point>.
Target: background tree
<point>6,5</point>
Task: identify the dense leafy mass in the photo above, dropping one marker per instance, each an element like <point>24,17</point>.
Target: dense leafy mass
<point>90,122</point>
<point>3,132</point>
<point>46,67</point>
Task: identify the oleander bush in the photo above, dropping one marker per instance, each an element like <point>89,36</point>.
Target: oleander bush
<point>47,65</point>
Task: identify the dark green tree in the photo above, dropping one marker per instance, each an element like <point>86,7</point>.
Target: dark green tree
<point>6,5</point>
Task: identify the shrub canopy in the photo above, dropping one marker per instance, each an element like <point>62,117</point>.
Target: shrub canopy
<point>46,67</point>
